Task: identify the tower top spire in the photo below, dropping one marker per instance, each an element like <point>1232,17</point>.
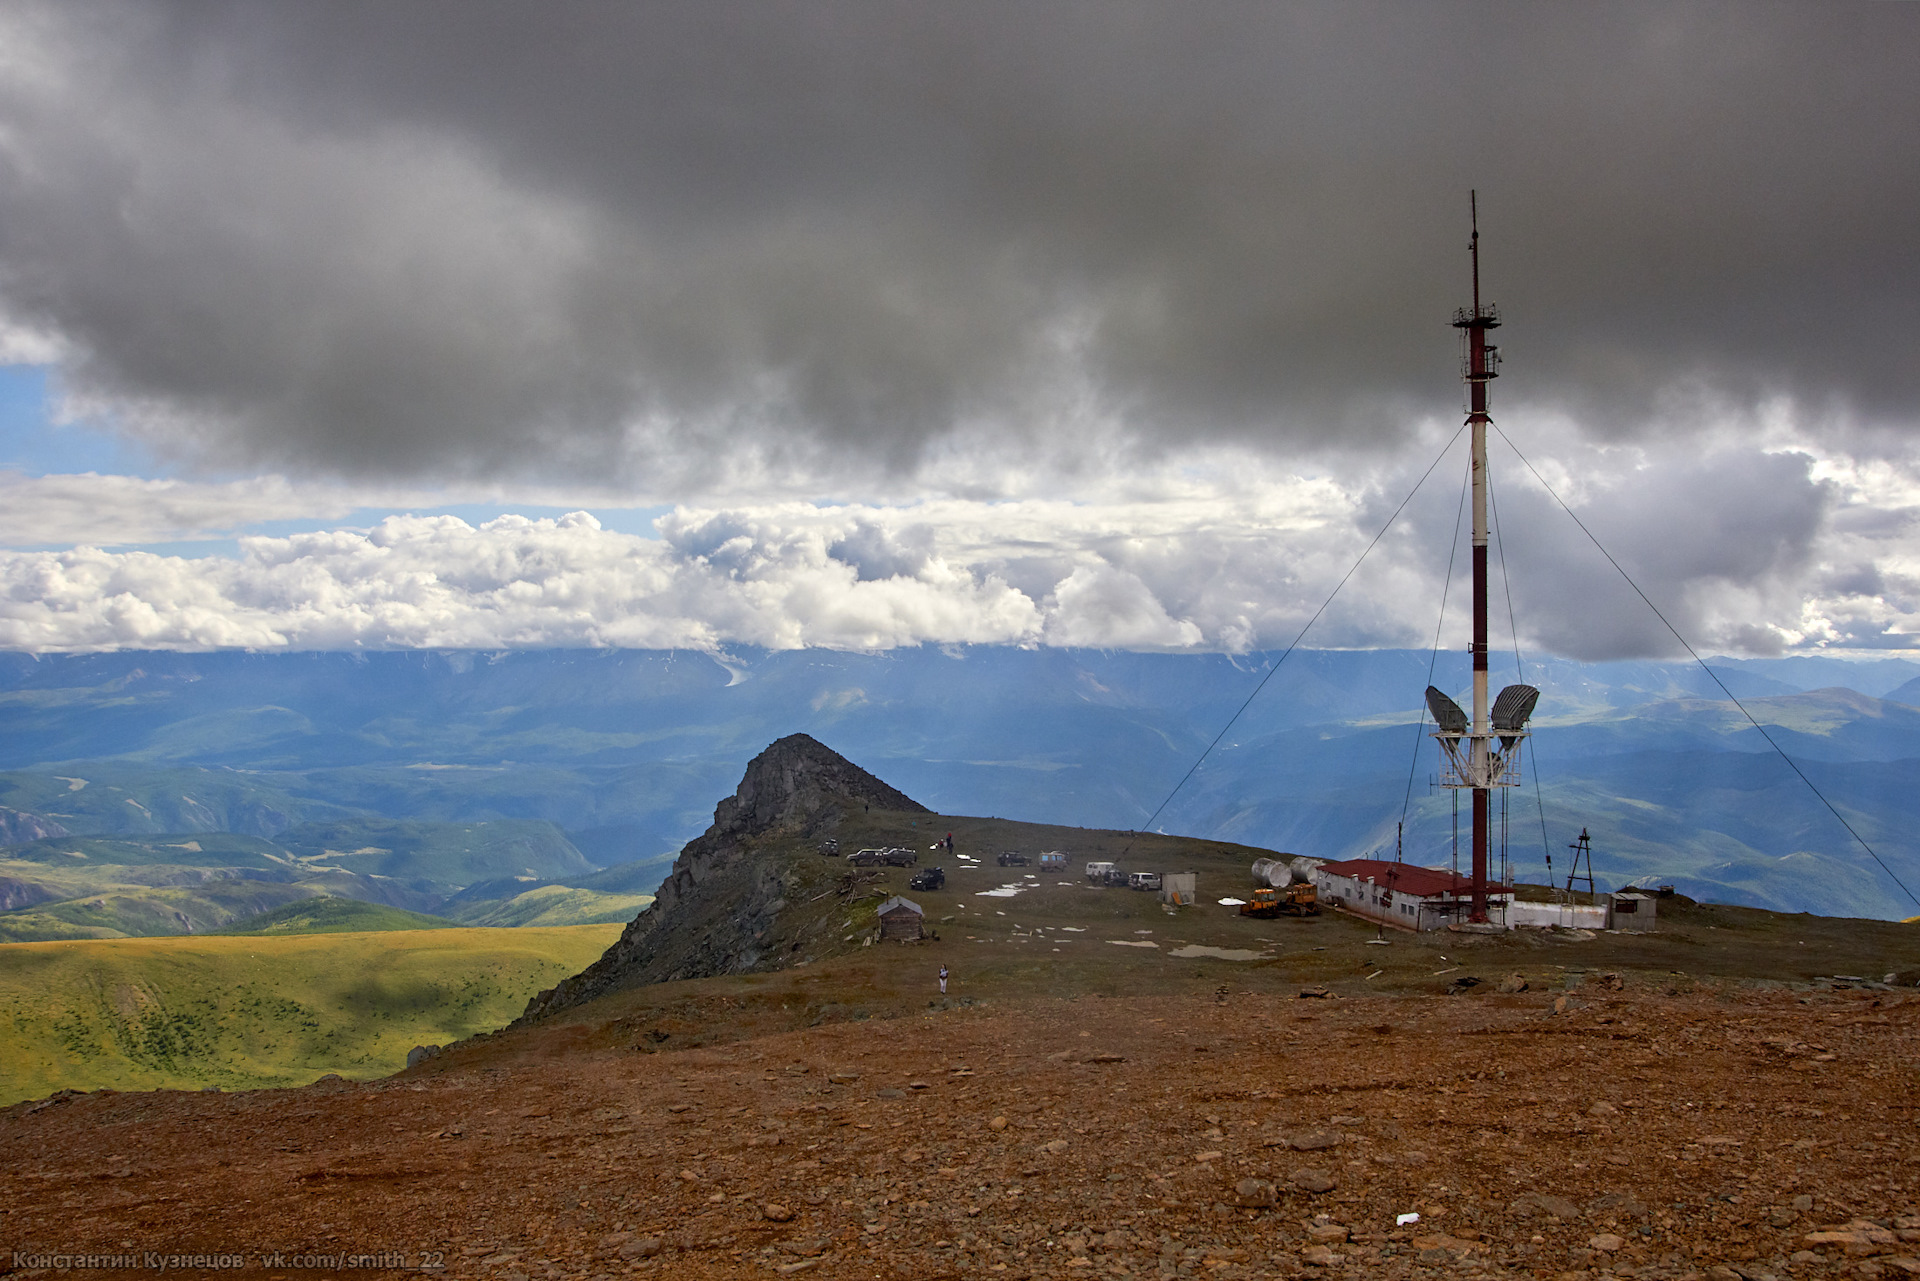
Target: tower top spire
<point>1473,244</point>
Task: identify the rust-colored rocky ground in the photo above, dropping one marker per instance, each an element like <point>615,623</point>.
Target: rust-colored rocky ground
<point>1706,1133</point>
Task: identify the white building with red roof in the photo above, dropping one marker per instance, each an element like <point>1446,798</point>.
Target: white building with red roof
<point>1402,895</point>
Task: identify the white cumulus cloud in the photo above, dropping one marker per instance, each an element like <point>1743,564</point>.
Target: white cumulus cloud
<point>1746,549</point>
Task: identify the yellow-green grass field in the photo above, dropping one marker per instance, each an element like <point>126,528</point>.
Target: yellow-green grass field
<point>243,1012</point>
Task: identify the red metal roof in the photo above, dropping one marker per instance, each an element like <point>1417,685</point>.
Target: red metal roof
<point>1421,882</point>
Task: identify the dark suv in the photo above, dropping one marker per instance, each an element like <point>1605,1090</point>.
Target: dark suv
<point>928,878</point>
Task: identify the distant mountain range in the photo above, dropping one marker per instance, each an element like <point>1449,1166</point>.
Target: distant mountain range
<point>622,754</point>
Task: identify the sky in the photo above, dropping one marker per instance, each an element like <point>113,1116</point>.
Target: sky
<point>409,323</point>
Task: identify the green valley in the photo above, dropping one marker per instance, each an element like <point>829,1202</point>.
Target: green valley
<point>269,1009</point>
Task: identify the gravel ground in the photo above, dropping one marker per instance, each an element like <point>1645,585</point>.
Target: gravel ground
<point>1741,1132</point>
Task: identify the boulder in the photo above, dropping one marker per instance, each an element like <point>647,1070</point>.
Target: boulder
<point>1254,1193</point>
<point>1314,1180</point>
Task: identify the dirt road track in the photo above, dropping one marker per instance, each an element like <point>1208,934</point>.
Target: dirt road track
<point>1630,1133</point>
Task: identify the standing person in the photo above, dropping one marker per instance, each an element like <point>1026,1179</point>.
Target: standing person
<point>943,980</point>
<point>949,842</point>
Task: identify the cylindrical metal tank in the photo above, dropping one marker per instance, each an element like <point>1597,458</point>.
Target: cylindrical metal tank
<point>1294,869</point>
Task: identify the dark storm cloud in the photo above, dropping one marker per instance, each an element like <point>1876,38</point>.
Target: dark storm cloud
<point>582,239</point>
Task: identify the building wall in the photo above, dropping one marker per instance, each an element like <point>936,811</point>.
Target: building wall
<point>900,924</point>
<point>1636,912</point>
<point>1384,906</point>
<point>1567,916</point>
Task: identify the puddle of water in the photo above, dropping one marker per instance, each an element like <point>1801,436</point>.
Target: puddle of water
<point>1217,953</point>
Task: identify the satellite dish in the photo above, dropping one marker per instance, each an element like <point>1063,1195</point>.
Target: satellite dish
<point>1513,706</point>
<point>1510,711</point>
<point>1446,713</point>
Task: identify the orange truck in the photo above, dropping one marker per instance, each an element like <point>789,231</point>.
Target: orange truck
<point>1295,900</point>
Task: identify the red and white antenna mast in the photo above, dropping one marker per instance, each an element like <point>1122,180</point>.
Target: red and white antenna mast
<point>1480,753</point>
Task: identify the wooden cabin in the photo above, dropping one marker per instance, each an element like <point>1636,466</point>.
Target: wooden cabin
<point>901,918</point>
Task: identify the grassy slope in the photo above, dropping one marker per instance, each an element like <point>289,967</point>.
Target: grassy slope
<point>557,905</point>
<point>251,1011</point>
<point>337,916</point>
<point>113,910</point>
<point>195,882</point>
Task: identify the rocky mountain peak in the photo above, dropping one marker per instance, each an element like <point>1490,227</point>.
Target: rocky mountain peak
<point>725,893</point>
<point>795,781</point>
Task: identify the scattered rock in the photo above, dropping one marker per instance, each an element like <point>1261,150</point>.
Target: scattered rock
<point>1314,1141</point>
<point>844,1078</point>
<point>1254,1193</point>
<point>1325,1232</point>
<point>998,1123</point>
<point>1560,1004</point>
<point>1558,1206</point>
<point>1602,1108</point>
<point>1612,982</point>
<point>1312,1180</point>
<point>420,1054</point>
<point>1606,1242</point>
<point>1316,992</point>
<point>1108,1058</point>
<point>774,1212</point>
<point>1057,1146</point>
<point>804,1249</point>
<point>642,1248</point>
<point>1319,1256</point>
<point>1513,983</point>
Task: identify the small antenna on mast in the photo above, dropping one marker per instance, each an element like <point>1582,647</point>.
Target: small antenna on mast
<point>1473,206</point>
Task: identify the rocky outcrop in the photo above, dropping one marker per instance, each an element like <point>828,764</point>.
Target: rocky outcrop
<point>16,893</point>
<point>17,827</point>
<point>720,901</point>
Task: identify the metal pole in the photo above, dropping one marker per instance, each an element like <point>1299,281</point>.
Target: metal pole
<point>1479,745</point>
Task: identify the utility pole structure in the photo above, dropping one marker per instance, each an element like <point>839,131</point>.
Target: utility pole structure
<point>1482,361</point>
<point>1481,752</point>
